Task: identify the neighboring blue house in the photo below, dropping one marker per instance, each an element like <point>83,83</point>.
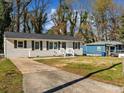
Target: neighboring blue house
<point>102,48</point>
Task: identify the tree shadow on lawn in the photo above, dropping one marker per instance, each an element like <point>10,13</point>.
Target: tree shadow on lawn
<point>78,80</point>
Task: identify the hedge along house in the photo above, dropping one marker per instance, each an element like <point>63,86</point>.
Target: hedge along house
<point>33,45</point>
<point>102,48</point>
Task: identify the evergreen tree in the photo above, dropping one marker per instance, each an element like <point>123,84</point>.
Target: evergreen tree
<point>1,24</point>
<point>5,19</point>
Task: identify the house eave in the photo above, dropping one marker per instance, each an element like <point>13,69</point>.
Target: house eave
<point>45,39</point>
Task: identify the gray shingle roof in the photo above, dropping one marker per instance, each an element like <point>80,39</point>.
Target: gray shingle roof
<point>106,43</point>
<point>38,36</point>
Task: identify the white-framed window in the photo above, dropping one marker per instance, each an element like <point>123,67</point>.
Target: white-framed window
<point>50,45</point>
<point>64,45</point>
<point>37,45</point>
<point>76,45</point>
<point>20,44</point>
<point>55,45</point>
<point>79,45</point>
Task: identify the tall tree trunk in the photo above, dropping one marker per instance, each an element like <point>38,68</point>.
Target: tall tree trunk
<point>24,24</point>
<point>72,29</point>
<point>18,15</point>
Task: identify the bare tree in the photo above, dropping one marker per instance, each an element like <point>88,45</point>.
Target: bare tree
<point>60,18</point>
<point>73,20</point>
<point>19,7</point>
<point>106,18</point>
<point>26,21</point>
<point>38,15</point>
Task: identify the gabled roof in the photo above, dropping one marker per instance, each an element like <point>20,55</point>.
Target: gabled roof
<point>38,36</point>
<point>106,43</point>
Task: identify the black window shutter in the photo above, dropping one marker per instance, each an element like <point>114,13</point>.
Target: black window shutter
<point>78,45</point>
<point>47,45</point>
<point>41,45</point>
<point>32,45</point>
<point>65,45</point>
<point>15,43</point>
<point>59,45</point>
<point>25,44</point>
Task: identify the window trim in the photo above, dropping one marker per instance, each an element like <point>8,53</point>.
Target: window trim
<point>52,45</point>
<point>16,44</point>
<point>35,45</point>
<point>79,45</point>
<point>76,45</point>
<point>65,45</point>
<point>20,42</point>
<point>55,43</point>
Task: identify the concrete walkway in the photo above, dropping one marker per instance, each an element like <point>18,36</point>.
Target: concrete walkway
<point>40,78</point>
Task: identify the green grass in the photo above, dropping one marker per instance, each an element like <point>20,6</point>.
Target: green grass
<point>111,76</point>
<point>10,78</point>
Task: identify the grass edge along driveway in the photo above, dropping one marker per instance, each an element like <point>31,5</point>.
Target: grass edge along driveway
<point>10,77</point>
<point>108,73</point>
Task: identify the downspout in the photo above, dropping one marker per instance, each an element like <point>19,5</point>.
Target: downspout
<point>5,47</point>
<point>106,50</point>
<point>115,48</point>
<point>109,50</point>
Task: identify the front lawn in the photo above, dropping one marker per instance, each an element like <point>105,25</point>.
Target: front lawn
<point>10,78</point>
<point>105,69</point>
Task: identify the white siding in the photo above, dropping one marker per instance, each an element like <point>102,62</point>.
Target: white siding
<point>44,45</point>
<point>10,51</point>
<point>69,44</point>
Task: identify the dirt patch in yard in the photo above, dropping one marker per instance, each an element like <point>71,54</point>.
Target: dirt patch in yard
<point>60,65</point>
<point>2,59</point>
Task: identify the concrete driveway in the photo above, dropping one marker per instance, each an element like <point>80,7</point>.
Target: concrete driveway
<point>40,78</point>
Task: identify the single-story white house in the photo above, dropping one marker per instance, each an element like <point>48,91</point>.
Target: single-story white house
<point>38,45</point>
